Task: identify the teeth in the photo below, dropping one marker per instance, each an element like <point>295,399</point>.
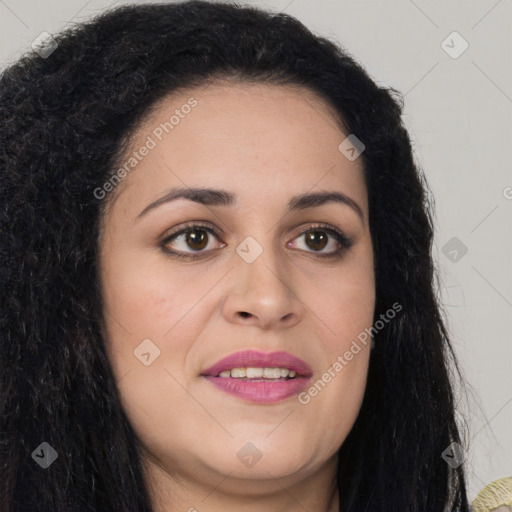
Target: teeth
<point>238,372</point>
<point>273,373</point>
<point>254,373</point>
<point>258,373</point>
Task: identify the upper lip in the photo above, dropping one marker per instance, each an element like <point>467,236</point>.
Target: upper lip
<point>255,359</point>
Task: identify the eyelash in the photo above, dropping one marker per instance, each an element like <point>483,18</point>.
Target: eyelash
<point>344,241</point>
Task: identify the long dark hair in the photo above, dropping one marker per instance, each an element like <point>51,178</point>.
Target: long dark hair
<point>64,119</point>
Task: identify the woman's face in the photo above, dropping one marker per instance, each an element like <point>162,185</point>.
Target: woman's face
<point>250,280</point>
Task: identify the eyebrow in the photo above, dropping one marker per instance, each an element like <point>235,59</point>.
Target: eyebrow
<point>217,197</point>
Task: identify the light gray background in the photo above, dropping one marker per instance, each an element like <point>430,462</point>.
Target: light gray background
<point>459,113</point>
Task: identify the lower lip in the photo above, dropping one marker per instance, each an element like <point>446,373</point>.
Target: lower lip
<point>260,391</point>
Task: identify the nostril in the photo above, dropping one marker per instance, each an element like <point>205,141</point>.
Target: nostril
<point>244,314</point>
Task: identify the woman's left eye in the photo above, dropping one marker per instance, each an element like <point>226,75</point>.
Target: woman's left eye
<point>197,237</point>
<point>318,237</point>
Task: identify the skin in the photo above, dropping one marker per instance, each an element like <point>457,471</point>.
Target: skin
<point>265,143</point>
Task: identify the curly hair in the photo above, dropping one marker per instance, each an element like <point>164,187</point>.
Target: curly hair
<point>64,121</point>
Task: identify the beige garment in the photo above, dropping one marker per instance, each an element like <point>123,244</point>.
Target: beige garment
<point>496,497</point>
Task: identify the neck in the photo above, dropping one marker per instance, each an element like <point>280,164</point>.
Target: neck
<point>206,491</point>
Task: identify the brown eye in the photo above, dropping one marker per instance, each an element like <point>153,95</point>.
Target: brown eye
<point>191,239</point>
<point>317,240</point>
<point>196,239</point>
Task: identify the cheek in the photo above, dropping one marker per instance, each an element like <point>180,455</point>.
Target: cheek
<point>153,301</point>
<point>344,306</point>
<point>152,295</point>
<point>344,312</point>
<point>341,403</point>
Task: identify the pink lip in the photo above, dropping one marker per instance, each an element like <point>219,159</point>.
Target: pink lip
<point>260,391</point>
<point>255,359</point>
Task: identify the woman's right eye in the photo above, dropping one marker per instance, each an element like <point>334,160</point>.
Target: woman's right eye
<point>195,237</point>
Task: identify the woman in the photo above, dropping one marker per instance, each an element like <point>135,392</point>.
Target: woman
<point>219,292</point>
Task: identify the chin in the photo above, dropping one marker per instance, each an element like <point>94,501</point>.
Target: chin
<point>253,461</point>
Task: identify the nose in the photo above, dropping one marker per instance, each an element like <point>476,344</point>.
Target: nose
<point>263,294</point>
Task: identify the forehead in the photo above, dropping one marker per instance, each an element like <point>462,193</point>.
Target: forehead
<point>268,142</point>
